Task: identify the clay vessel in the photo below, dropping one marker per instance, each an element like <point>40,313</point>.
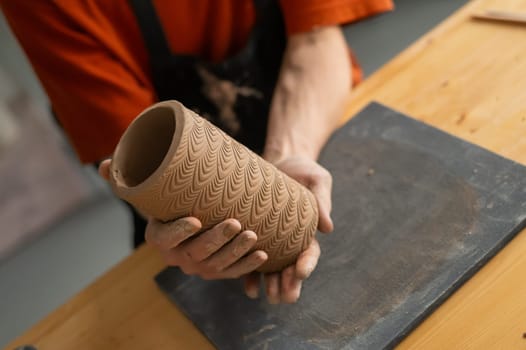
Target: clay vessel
<point>171,163</point>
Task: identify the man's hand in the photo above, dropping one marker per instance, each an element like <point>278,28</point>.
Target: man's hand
<point>317,179</point>
<point>285,286</point>
<point>218,253</point>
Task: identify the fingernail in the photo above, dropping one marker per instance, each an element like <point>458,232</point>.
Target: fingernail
<point>246,242</point>
<point>176,227</point>
<point>256,262</point>
<point>188,227</point>
<point>308,270</point>
<point>252,293</point>
<point>242,246</point>
<point>229,230</point>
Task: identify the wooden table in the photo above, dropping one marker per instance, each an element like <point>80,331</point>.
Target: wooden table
<point>466,77</point>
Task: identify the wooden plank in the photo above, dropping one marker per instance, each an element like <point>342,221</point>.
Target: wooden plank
<point>123,309</point>
<point>488,312</point>
<point>465,77</point>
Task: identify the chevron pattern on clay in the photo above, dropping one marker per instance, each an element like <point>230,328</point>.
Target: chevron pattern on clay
<point>213,177</point>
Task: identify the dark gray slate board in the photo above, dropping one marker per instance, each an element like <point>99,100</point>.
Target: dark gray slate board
<point>417,212</point>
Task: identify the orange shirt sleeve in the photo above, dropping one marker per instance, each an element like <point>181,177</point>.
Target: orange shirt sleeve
<point>304,15</point>
<point>73,61</point>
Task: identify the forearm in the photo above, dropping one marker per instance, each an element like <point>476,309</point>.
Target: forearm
<point>311,92</point>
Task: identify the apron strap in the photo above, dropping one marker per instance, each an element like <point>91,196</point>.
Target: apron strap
<point>261,6</point>
<point>151,29</point>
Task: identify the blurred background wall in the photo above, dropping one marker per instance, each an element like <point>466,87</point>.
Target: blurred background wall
<point>60,227</point>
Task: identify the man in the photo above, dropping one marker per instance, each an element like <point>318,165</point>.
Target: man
<point>276,78</point>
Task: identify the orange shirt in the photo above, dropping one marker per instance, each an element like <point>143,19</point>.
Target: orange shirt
<point>93,64</point>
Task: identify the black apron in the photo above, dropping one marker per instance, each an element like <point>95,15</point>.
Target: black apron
<point>234,94</point>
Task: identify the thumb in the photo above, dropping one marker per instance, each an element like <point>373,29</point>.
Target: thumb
<point>322,191</point>
<point>104,169</point>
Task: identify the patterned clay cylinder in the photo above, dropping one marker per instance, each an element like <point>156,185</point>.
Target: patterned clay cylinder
<point>171,163</point>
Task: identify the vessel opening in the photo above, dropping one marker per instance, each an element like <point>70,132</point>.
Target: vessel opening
<point>145,145</point>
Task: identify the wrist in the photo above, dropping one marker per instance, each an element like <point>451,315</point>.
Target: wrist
<point>278,149</point>
<point>299,124</point>
<point>310,94</point>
